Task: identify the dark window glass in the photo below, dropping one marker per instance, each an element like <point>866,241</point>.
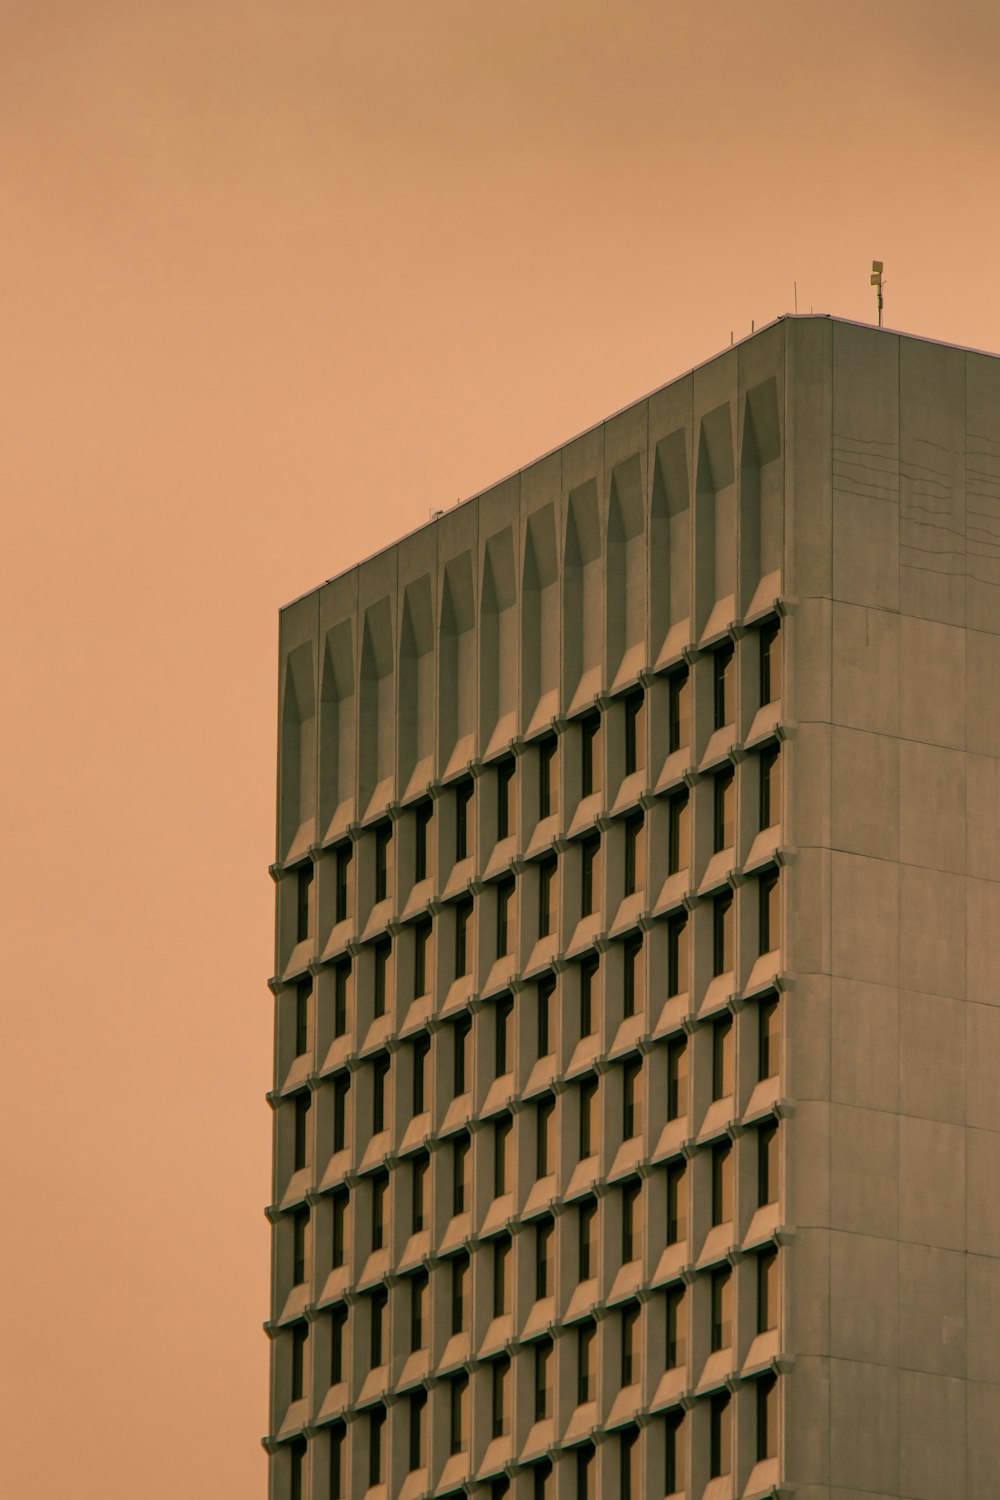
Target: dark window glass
<point>460,1039</point>
<point>634,873</point>
<point>722,702</point>
<point>341,1091</point>
<point>677,1078</point>
<point>417,1402</point>
<point>770,663</point>
<point>631,1100</point>
<point>418,1306</point>
<point>679,711</point>
<point>501,1036</point>
<point>341,981</point>
<point>673,1452</point>
<point>630,1222</point>
<point>421,1051</point>
<point>722,1058</point>
<point>300,1236</point>
<point>586,1222</point>
<point>628,1453</point>
<point>504,895</point>
<point>459,1163</point>
<point>546,886</point>
<point>767,1418</point>
<point>340,1201</point>
<point>376,1422</point>
<point>631,959</point>
<point>421,943</point>
<point>463,917</point>
<point>303,890</point>
<point>767,1164</point>
<point>424,813</point>
<point>540,1476</point>
<point>544,992</point>
<point>505,776</point>
<point>767,1037</point>
<point>459,1274</point>
<point>546,776</point>
<point>677,955</point>
<point>381,964</point>
<point>767,912</point>
<point>769,787</point>
<point>634,733</point>
<point>297,1466</point>
<point>588,1109</point>
<point>544,1112</point>
<point>676,1203</point>
<point>676,1341</point>
<point>721,1329</point>
<point>679,834</point>
<point>457,1419</point>
<point>463,799</point>
<point>337,1431</point>
<point>722,1184</point>
<point>543,1251</point>
<point>338,1329</point>
<point>303,1005</point>
<point>380,1073</point>
<point>378,1302</point>
<point>380,1186</point>
<point>719,1439</point>
<point>584,1351</point>
<point>722,933</point>
<point>501,1145</point>
<point>723,826</point>
<point>588,977</point>
<point>543,1364</point>
<point>303,1103</point>
<point>383,838</point>
<point>498,1413</point>
<point>418,1198</point>
<point>590,855</point>
<point>767,1291</point>
<point>501,1271</point>
<point>590,752</point>
<point>342,860</point>
<point>629,1372</point>
<point>584,1467</point>
<point>300,1338</point>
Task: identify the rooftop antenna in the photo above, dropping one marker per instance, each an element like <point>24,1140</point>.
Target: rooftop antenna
<point>877,282</point>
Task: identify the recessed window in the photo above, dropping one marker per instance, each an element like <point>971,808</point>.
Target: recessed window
<point>767,1291</point>
<point>677,1078</point>
<point>341,1093</point>
<point>722,933</point>
<point>543,1257</point>
<point>417,1404</point>
<point>342,866</point>
<point>297,1468</point>
<point>723,695</point>
<point>676,1203</point>
<point>584,1358</point>
<point>504,897</point>
<point>630,1356</point>
<point>300,1245</point>
<point>378,1302</point>
<point>300,1156</point>
<point>632,1100</point>
<point>720,1459</point>
<point>674,1461</point>
<point>339,1206</point>
<point>501,1152</point>
<point>505,790</point>
<point>628,1464</point>
<point>545,1114</point>
<point>588,985</point>
<point>341,985</point>
<point>380,957</point>
<point>418,1310</point>
<point>463,921</point>
<point>420,1053</point>
<point>679,833</point>
<point>679,710</point>
<point>338,1341</point>
<point>418,1193</point>
<point>767,1418</point>
<point>768,912</point>
<point>457,1437</point>
<point>631,970</point>
<point>540,1477</point>
<point>635,732</point>
<point>586,1229</point>
<point>546,776</point>
<point>677,955</point>
<point>588,1117</point>
<point>303,901</point>
<point>499,1382</point>
<point>460,1033</point>
<point>544,991</point>
<point>502,1012</point>
<point>676,1330</point>
<point>459,1282</point>
<point>769,787</point>
<point>635,846</point>
<point>767,1163</point>
<point>303,1008</point>
<point>300,1341</point>
<point>584,1470</point>
<point>376,1425</point>
<point>501,1276</point>
<point>631,1204</point>
<point>423,814</point>
<point>421,947</point>
<point>767,1037</point>
<point>379,1195</point>
<point>546,896</point>
<point>463,815</point>
<point>721,1332</point>
<point>590,754</point>
<point>590,875</point>
<point>380,1075</point>
<point>724,812</point>
<point>459,1171</point>
<point>722,1183</point>
<point>542,1353</point>
<point>383,838</point>
<point>723,1069</point>
<point>770,662</point>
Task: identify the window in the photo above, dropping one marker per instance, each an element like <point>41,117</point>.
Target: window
<point>463,919</point>
<point>679,711</point>
<point>545,1112</point>
<point>339,1208</point>
<point>377,1304</point>
<point>341,1091</point>
<point>677,1078</point>
<point>629,1372</point>
<point>540,1475</point>
<point>337,1431</point>
<point>501,1036</point>
<point>456,1434</point>
<point>719,1435</point>
<point>380,1072</point>
<point>588,976</point>
<point>342,866</point>
<point>418,1193</point>
<point>722,1183</point>
<point>588,1117</point>
<point>767,1418</point>
<point>676,1203</point>
<point>673,1453</point>
<point>635,746</point>
<point>505,778</point>
<point>499,1373</point>
<point>676,1331</point>
<point>767,1164</point>
<point>586,1221</point>
<point>724,709</point>
<point>584,1465</point>
<point>546,766</point>
<point>420,1054</point>
<point>501,1276</point>
<point>300,1157</point>
<point>418,1310</point>
<point>631,960</point>
<point>722,1324</point>
<point>504,896</point>
<point>459,1278</point>
<point>300,1245</point>
<point>460,1045</point>
<point>767,1037</point>
<point>767,1291</point>
<point>421,840</point>
<point>338,1328</point>
<point>383,838</point>
<point>463,799</point>
<point>768,912</point>
<point>546,903</point>
<point>677,955</point>
<point>376,1422</point>
<point>770,663</point>
<point>634,853</point>
<point>724,799</point>
<point>341,981</point>
<point>380,1189</point>
<point>501,1148</point>
<point>631,1100</point>
<point>544,991</point>
<point>303,1005</point>
<point>542,1379</point>
<point>297,1464</point>
<point>628,1464</point>
<point>679,833</point>
<point>584,1355</point>
<point>590,875</point>
<point>722,933</point>
<point>631,1222</point>
<point>543,1251</point>
<point>421,944</point>
<point>300,1339</point>
<point>590,755</point>
<point>769,787</point>
<point>303,893</point>
<point>417,1404</point>
<point>722,1058</point>
<point>459,1169</point>
<point>381,958</point>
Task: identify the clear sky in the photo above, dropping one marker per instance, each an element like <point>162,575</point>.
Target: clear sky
<point>278,278</point>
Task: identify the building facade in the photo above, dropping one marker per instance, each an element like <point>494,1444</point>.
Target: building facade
<point>637,1045</point>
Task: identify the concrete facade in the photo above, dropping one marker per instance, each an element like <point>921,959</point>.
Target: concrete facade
<point>637,1128</point>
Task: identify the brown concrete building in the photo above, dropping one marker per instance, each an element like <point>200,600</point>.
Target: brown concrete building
<point>637,1118</point>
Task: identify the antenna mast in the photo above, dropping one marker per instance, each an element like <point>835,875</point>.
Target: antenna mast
<point>877,282</point>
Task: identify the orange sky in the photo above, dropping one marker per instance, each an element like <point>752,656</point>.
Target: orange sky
<point>279,277</point>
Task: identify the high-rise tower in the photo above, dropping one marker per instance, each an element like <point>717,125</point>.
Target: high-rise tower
<point>637,1119</point>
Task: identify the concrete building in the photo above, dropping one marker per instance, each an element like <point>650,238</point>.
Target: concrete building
<point>637,1048</point>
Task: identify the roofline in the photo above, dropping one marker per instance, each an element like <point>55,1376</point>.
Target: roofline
<point>755,333</point>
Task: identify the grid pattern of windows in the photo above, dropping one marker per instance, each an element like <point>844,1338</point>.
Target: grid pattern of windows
<point>480,1012</point>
